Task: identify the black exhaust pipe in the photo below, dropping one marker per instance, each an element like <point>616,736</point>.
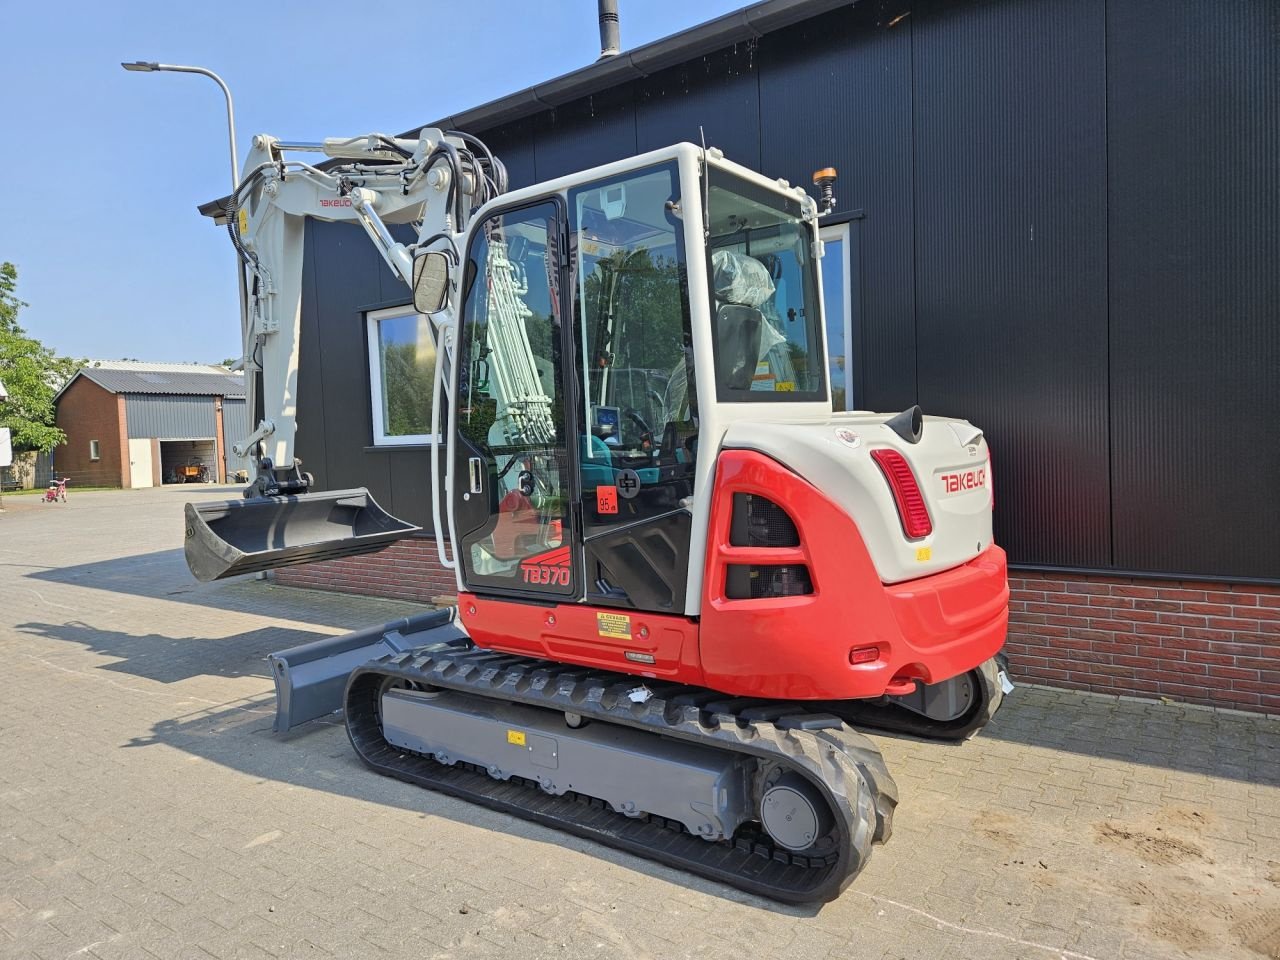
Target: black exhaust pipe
<point>909,424</point>
<point>610,36</point>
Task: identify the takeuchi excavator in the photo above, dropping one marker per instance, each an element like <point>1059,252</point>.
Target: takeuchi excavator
<point>684,583</point>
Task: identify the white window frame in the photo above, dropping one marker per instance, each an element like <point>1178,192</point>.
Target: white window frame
<point>839,232</point>
<point>95,450</point>
<point>380,438</point>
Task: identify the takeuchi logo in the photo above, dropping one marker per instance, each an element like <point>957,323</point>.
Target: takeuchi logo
<point>969,480</point>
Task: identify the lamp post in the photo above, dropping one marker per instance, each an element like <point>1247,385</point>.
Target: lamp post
<point>144,66</point>
<point>150,66</point>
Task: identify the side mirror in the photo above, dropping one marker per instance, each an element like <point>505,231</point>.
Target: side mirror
<point>430,282</point>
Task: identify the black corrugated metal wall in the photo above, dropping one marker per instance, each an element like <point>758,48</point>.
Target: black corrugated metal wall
<point>1067,215</point>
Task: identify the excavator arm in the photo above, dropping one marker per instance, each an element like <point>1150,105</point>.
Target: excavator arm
<point>433,183</point>
<point>381,181</point>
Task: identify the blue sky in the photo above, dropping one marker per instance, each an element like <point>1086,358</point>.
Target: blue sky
<point>106,168</point>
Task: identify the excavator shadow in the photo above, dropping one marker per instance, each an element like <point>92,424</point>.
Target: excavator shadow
<point>163,575</point>
<point>317,756</point>
<point>164,659</point>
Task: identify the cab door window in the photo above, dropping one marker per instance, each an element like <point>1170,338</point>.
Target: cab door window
<point>512,491</point>
<point>638,412</point>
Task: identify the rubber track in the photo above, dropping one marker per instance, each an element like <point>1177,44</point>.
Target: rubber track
<point>884,714</point>
<point>844,764</point>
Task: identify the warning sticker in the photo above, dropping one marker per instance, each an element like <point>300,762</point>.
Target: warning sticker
<point>516,737</point>
<point>924,554</point>
<point>615,625</point>
<point>242,216</point>
<point>606,499</point>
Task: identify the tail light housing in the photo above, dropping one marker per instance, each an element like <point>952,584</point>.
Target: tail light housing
<point>912,510</point>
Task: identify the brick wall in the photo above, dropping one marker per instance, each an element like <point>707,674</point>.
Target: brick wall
<point>88,412</point>
<point>406,570</point>
<point>1208,643</point>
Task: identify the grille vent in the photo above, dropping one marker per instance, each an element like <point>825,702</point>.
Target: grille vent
<point>752,582</point>
<point>759,522</point>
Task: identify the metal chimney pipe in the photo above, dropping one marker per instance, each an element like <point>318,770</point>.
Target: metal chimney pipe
<point>610,39</point>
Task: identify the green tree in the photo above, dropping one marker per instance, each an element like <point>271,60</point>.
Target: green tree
<point>31,373</point>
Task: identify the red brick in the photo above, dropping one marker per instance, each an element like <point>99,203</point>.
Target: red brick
<point>1159,606</point>
<point>1208,609</point>
<point>1177,667</point>
<point>1256,686</point>
<point>1177,594</point>
<point>1125,603</point>
<point>1114,626</point>
<point>1229,623</point>
<point>1182,620</point>
<point>1161,629</point>
<point>1257,613</point>
<point>1090,588</point>
<point>1146,593</point>
<point>1117,649</point>
<point>1178,643</point>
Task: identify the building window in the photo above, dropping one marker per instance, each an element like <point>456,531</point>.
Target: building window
<point>93,450</point>
<point>402,364</point>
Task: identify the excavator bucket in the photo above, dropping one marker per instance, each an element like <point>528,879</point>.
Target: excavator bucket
<point>231,537</point>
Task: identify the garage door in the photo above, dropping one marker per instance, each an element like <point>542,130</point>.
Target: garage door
<point>189,461</point>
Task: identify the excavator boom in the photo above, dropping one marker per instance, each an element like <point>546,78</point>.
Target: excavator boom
<point>376,181</point>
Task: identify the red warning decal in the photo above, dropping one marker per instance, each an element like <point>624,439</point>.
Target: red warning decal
<point>550,569</point>
<point>606,499</point>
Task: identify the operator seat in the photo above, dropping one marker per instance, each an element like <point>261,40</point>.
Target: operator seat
<point>741,284</point>
<point>737,333</point>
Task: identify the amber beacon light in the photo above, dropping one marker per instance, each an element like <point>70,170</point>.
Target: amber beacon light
<point>825,181</point>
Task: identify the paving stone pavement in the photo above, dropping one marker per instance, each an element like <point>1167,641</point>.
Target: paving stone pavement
<point>147,810</point>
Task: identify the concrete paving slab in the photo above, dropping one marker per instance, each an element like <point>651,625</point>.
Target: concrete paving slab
<point>147,810</point>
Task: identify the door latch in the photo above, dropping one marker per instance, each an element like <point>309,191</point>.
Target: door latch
<point>474,469</point>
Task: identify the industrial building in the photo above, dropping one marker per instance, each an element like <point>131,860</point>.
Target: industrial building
<point>135,424</point>
<point>1056,218</point>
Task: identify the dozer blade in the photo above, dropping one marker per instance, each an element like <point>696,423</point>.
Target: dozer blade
<point>310,678</point>
<point>231,537</point>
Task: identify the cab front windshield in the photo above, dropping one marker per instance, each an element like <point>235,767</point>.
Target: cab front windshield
<point>766,324</point>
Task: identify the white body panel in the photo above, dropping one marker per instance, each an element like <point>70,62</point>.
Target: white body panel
<point>845,472</point>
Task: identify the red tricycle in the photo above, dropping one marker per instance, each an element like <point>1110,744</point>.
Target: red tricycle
<point>57,491</point>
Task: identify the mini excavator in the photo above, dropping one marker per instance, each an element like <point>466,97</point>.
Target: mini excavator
<point>684,583</point>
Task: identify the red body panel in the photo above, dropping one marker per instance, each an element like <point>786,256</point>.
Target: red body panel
<point>575,633</point>
<point>796,647</point>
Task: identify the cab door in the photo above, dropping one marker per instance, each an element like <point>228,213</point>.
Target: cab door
<point>635,416</point>
<point>511,491</point>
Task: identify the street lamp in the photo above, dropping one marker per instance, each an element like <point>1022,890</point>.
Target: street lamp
<point>145,66</point>
<point>150,66</point>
